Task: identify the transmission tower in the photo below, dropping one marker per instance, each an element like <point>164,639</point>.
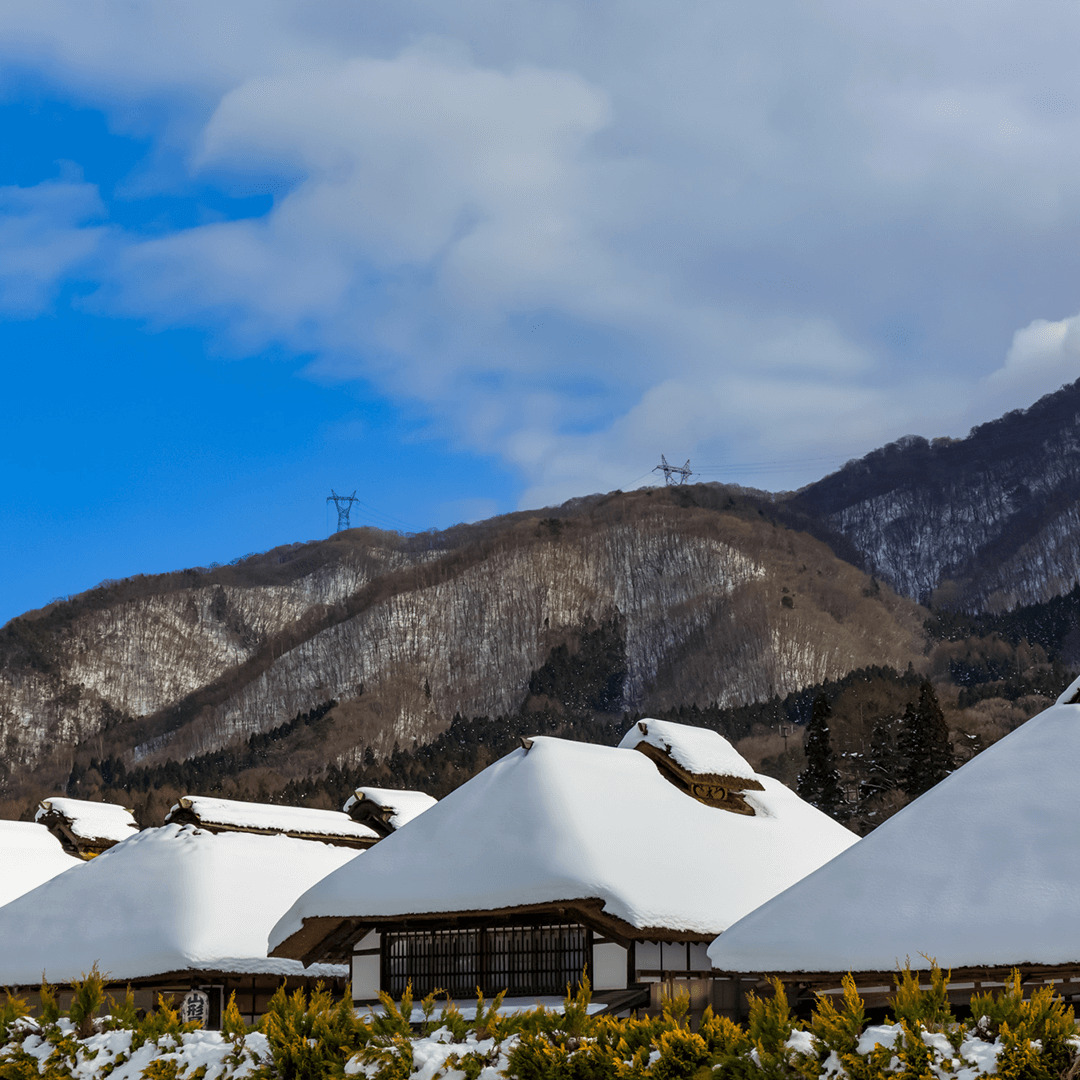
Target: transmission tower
<point>344,505</point>
<point>672,471</point>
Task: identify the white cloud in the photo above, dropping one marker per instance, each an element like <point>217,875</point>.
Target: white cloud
<point>44,237</point>
<point>579,235</point>
<point>1044,355</point>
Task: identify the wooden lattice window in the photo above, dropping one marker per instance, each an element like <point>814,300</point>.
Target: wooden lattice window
<point>538,959</point>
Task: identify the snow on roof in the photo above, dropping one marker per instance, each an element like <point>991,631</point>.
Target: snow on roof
<point>565,821</point>
<point>698,750</point>
<point>91,820</point>
<point>401,806</point>
<point>175,898</point>
<point>29,855</point>
<point>983,870</point>
<point>268,818</point>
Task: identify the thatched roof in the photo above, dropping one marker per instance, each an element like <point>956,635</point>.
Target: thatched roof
<point>699,761</point>
<point>165,900</point>
<point>29,855</point>
<point>86,828</point>
<point>268,819</point>
<point>982,871</point>
<point>589,828</point>
<point>386,809</point>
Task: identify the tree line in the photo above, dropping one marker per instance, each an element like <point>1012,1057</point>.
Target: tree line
<point>910,756</point>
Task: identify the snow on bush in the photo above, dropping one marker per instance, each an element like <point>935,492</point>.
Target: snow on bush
<point>313,1037</point>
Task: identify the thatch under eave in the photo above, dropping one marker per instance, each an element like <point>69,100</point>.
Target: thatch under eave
<point>386,810</point>
<point>724,792</point>
<point>260,819</point>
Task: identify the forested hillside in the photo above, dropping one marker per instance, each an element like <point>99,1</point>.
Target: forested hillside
<point>984,523</point>
<point>667,597</point>
<point>417,659</point>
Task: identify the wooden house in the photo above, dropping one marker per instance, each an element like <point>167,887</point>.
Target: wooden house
<point>981,873</point>
<point>86,828</point>
<point>268,819</point>
<point>385,809</point>
<point>169,910</point>
<point>29,856</point>
<point>566,858</point>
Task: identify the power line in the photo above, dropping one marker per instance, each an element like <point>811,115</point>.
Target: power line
<point>387,517</point>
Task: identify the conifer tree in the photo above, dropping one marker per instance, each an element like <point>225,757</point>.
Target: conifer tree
<point>819,782</point>
<point>883,767</point>
<point>925,746</point>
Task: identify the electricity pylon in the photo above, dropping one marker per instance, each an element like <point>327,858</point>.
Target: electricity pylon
<point>344,505</point>
<point>672,471</point>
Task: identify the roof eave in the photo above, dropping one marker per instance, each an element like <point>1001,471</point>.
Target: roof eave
<point>329,938</point>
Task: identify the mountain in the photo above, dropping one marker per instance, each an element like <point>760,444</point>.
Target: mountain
<point>985,523</point>
<point>626,602</point>
<point>417,659</point>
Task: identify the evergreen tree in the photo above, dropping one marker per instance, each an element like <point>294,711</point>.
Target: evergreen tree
<point>927,752</point>
<point>883,766</point>
<point>906,744</point>
<point>819,782</point>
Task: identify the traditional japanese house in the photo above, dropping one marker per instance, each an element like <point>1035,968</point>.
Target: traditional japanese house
<point>269,819</point>
<point>29,856</point>
<point>566,858</point>
<point>384,809</point>
<point>86,828</point>
<point>981,873</point>
<point>169,910</point>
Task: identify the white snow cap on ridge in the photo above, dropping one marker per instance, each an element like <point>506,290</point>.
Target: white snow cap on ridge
<point>697,750</point>
<point>981,871</point>
<point>565,821</point>
<point>270,818</point>
<point>29,855</point>
<point>402,805</point>
<point>91,820</point>
<point>170,899</point>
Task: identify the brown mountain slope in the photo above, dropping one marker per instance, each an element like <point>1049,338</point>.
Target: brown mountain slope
<point>706,597</point>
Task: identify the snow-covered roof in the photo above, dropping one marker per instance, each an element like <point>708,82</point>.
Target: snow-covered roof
<point>93,822</point>
<point>983,870</point>
<point>170,899</point>
<point>397,808</point>
<point>566,821</point>
<point>299,821</point>
<point>699,751</point>
<point>29,855</point>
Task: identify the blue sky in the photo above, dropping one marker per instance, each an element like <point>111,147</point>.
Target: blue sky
<point>468,258</point>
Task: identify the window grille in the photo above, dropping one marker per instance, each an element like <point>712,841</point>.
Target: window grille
<point>518,959</point>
